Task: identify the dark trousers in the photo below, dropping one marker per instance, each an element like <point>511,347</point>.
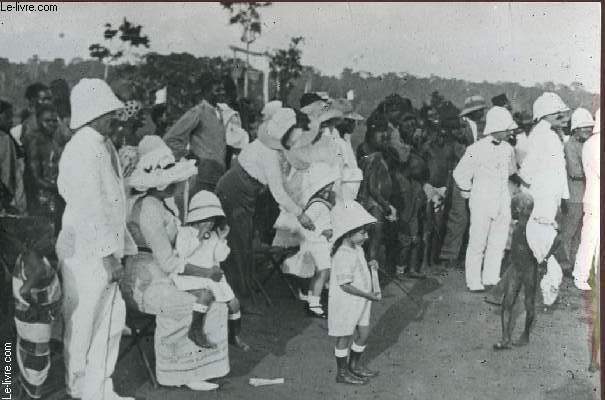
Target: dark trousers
<point>456,226</point>
<point>571,227</point>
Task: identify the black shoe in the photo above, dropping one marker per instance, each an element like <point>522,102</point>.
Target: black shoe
<point>316,312</point>
<point>357,369</point>
<point>345,376</point>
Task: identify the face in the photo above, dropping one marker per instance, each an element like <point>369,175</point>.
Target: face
<point>105,124</point>
<point>203,228</point>
<point>217,94</point>
<point>478,115</point>
<point>359,237</point>
<point>500,136</point>
<point>380,138</point>
<point>558,120</point>
<point>44,97</point>
<point>583,133</point>
<point>48,122</point>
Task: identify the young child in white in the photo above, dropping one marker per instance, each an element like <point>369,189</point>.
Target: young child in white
<point>352,291</point>
<point>313,259</point>
<point>202,242</point>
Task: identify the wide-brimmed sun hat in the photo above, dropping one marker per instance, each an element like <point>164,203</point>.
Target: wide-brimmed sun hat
<point>581,118</point>
<point>157,167</point>
<point>346,107</point>
<point>316,177</point>
<point>473,103</point>
<point>90,99</point>
<point>272,130</point>
<point>349,216</point>
<point>202,206</point>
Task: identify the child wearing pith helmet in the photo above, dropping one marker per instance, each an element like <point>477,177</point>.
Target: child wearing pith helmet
<point>352,291</point>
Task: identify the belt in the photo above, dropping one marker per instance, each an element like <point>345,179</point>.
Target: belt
<point>143,249</point>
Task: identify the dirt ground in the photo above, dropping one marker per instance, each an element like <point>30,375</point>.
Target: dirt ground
<point>442,350</point>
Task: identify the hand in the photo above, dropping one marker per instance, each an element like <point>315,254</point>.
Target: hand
<point>306,222</point>
<point>328,233</point>
<point>373,264</point>
<point>392,216</point>
<point>216,273</point>
<point>114,268</point>
<point>374,296</point>
<point>223,232</point>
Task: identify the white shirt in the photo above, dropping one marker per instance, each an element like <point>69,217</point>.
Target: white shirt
<point>94,221</point>
<point>544,169</point>
<point>591,162</point>
<point>473,126</point>
<point>263,164</point>
<point>484,170</point>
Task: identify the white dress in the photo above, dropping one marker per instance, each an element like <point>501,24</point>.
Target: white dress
<point>346,311</point>
<point>205,253</point>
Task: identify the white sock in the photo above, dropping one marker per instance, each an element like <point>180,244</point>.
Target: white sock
<point>200,308</point>
<point>313,301</point>
<point>235,316</point>
<point>357,348</point>
<point>341,352</point>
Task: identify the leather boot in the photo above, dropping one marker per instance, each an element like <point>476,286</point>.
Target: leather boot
<point>234,327</point>
<point>196,330</point>
<point>343,375</point>
<point>357,368</point>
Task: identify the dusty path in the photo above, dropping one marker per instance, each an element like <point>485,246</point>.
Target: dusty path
<point>444,353</point>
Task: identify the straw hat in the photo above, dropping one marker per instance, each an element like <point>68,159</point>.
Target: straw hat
<point>473,103</point>
<point>318,112</point>
<point>498,119</point>
<point>202,206</point>
<point>90,99</point>
<point>548,103</point>
<point>348,217</point>
<point>345,106</point>
<point>157,167</point>
<point>272,130</point>
<point>316,177</point>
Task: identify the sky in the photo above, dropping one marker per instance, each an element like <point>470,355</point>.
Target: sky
<point>519,42</point>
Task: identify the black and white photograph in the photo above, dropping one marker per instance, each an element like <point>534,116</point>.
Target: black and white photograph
<point>300,200</point>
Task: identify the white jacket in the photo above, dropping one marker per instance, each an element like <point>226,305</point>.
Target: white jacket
<point>544,169</point>
<point>484,170</point>
<point>94,221</point>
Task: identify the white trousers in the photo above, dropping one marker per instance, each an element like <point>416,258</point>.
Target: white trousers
<point>540,238</point>
<point>589,244</point>
<point>94,318</point>
<point>486,243</point>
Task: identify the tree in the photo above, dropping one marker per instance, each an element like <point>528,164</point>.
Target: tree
<point>130,37</point>
<point>286,67</point>
<point>246,14</point>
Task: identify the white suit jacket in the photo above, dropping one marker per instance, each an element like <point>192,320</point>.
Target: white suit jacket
<point>94,221</point>
<point>544,169</point>
<point>484,170</point>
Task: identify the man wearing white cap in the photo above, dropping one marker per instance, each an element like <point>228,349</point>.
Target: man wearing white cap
<point>92,242</point>
<point>590,239</point>
<point>571,225</point>
<point>544,174</point>
<point>482,176</point>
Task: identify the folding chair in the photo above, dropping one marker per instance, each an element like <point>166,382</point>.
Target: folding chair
<point>276,256</point>
<point>141,325</point>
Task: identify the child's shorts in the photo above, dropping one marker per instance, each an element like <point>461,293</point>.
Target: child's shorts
<point>343,322</point>
<point>221,290</point>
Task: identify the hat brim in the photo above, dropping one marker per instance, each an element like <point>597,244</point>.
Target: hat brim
<point>305,137</point>
<point>469,110</point>
<point>205,213</point>
<point>354,116</point>
<point>142,181</point>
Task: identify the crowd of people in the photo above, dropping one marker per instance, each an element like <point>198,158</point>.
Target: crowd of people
<point>168,223</point>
